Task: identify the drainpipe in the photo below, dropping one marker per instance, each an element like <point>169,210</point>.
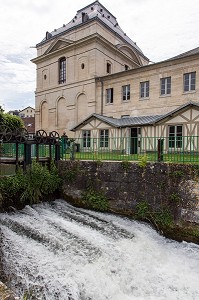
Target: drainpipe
<point>98,79</point>
<point>102,96</point>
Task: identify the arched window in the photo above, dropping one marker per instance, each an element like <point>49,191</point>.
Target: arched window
<point>62,70</point>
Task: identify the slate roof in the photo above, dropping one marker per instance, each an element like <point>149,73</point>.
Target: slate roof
<point>187,53</point>
<point>123,122</point>
<point>93,11</point>
<point>29,123</point>
<point>129,121</point>
<point>135,121</point>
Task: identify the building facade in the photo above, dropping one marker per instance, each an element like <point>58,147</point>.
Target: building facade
<point>94,81</point>
<point>71,58</point>
<point>27,112</point>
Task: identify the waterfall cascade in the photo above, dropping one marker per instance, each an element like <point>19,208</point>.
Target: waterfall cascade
<point>56,251</point>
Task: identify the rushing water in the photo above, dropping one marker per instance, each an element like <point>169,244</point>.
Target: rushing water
<point>61,252</point>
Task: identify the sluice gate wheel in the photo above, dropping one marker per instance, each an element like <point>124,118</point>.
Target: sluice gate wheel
<point>21,135</point>
<point>54,137</point>
<point>5,133</point>
<point>41,136</point>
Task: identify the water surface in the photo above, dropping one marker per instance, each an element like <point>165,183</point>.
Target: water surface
<point>57,251</point>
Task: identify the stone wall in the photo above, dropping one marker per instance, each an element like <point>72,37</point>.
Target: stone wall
<point>125,184</point>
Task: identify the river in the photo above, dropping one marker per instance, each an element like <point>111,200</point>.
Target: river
<point>56,251</point>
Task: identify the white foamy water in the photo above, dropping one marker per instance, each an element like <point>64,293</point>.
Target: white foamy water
<point>60,252</point>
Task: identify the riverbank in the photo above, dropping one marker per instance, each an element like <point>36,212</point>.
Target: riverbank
<point>165,195</point>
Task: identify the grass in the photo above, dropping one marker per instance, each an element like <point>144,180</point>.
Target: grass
<point>171,157</point>
<point>9,151</point>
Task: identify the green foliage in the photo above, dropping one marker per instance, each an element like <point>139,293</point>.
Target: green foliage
<point>174,197</point>
<point>95,200</point>
<point>163,217</point>
<point>13,186</point>
<point>196,170</point>
<point>71,174</point>
<point>176,174</point>
<point>125,165</point>
<point>160,217</point>
<point>99,163</point>
<point>40,182</point>
<point>27,296</point>
<point>143,161</point>
<point>143,210</point>
<point>32,186</point>
<point>10,121</point>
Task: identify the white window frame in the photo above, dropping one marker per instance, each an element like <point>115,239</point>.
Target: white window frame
<point>144,89</point>
<point>109,96</point>
<point>86,134</point>
<point>189,80</point>
<point>104,138</point>
<point>126,92</point>
<point>175,138</point>
<point>165,86</point>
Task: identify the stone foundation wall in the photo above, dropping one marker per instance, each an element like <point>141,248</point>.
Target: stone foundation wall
<point>125,184</point>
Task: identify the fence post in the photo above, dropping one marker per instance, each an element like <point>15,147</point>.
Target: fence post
<point>57,152</point>
<point>160,149</point>
<point>27,155</point>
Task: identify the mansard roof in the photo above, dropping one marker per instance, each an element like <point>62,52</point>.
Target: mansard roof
<point>92,11</point>
<point>135,121</point>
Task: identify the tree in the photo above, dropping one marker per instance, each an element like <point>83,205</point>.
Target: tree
<point>10,121</point>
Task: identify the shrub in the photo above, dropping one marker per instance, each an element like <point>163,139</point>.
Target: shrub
<point>32,186</point>
<point>95,200</point>
<point>143,161</point>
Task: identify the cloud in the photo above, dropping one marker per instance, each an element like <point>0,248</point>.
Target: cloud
<point>161,29</point>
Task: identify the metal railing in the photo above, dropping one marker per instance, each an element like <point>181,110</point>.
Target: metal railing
<point>9,150</point>
<point>183,149</point>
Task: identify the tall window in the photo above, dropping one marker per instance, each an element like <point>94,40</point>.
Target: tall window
<point>175,136</point>
<point>126,92</point>
<point>108,68</point>
<point>144,89</point>
<point>104,138</point>
<point>62,70</point>
<point>165,86</point>
<point>86,138</point>
<point>109,95</point>
<point>189,82</point>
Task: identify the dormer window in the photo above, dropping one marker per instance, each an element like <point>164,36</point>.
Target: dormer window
<point>85,17</point>
<point>62,70</point>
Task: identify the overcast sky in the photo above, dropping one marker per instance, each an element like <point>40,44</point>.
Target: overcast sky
<point>162,29</point>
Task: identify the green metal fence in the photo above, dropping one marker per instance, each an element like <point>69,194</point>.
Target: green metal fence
<point>183,149</point>
<point>9,150</point>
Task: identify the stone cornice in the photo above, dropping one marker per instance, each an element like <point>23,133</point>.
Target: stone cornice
<point>162,64</point>
<point>84,41</point>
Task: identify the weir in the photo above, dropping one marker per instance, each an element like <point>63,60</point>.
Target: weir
<point>55,251</point>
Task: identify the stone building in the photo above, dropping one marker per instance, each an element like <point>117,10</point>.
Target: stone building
<point>69,60</point>
<point>27,112</point>
<point>93,80</point>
